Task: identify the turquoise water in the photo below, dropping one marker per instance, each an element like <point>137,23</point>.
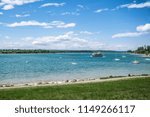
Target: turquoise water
<point>21,68</point>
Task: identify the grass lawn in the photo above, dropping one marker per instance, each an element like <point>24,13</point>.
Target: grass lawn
<point>133,89</point>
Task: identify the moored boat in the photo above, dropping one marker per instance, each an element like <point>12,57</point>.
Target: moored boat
<point>97,54</point>
<point>135,62</point>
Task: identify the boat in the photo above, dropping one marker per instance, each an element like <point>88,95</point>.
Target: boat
<point>97,54</point>
<point>116,59</point>
<point>135,62</point>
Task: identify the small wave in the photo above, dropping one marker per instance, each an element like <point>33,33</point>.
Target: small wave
<point>27,62</point>
<point>116,59</point>
<point>123,56</point>
<point>147,59</point>
<point>73,63</point>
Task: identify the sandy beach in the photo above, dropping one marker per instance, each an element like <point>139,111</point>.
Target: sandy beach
<point>75,81</point>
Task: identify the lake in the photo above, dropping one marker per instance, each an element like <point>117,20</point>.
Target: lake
<point>22,68</point>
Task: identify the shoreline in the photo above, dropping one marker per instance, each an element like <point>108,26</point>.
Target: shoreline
<point>69,82</point>
<point>142,55</point>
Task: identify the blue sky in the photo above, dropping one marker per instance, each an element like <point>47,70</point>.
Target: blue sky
<point>74,24</point>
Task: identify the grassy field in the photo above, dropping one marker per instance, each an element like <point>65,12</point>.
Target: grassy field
<point>136,89</point>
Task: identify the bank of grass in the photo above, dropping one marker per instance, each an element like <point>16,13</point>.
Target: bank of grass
<point>132,89</point>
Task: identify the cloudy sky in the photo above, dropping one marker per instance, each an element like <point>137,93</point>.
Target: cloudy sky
<point>74,24</point>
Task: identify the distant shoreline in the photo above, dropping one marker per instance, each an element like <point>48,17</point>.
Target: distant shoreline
<point>40,51</point>
<point>142,55</point>
<point>74,81</point>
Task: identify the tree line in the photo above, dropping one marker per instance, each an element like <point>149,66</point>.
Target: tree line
<point>26,51</point>
<point>141,50</point>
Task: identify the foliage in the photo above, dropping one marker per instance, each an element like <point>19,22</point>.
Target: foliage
<point>25,51</point>
<point>141,50</point>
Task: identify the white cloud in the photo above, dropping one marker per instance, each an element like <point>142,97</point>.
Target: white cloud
<point>128,34</point>
<point>145,27</point>
<point>66,25</point>
<point>27,23</point>
<point>134,5</point>
<point>70,13</point>
<point>10,4</point>
<point>101,10</point>
<point>80,6</point>
<point>61,24</point>
<point>76,12</point>
<point>141,30</point>
<point>1,13</point>
<point>86,32</point>
<point>53,4</point>
<point>1,4</point>
<point>17,2</point>
<point>53,24</point>
<point>19,15</point>
<point>52,39</point>
<point>8,7</point>
<point>68,40</point>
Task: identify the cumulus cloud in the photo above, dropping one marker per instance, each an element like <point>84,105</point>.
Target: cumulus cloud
<point>10,4</point>
<point>53,4</point>
<point>128,34</point>
<point>134,5</point>
<point>101,10</point>
<point>8,7</point>
<point>141,30</point>
<point>68,40</point>
<point>145,27</point>
<point>53,24</point>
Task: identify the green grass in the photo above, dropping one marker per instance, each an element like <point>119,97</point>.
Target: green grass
<point>136,89</point>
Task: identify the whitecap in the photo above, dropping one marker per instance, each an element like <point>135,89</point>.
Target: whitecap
<point>73,63</point>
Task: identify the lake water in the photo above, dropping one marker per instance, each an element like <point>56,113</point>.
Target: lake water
<point>21,68</point>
